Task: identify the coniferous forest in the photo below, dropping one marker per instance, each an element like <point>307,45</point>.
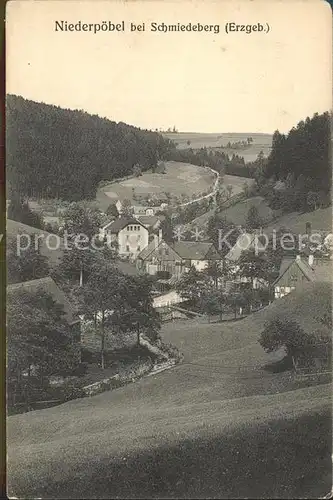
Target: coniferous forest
<point>301,160</point>
<point>60,153</point>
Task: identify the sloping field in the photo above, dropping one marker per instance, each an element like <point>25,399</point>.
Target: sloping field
<point>261,142</point>
<point>216,426</point>
<point>295,222</point>
<point>320,219</point>
<point>179,178</point>
<point>235,343</point>
<point>236,182</point>
<point>237,213</point>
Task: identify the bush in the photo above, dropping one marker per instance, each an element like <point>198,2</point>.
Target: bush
<point>305,349</point>
<point>80,370</point>
<point>72,390</point>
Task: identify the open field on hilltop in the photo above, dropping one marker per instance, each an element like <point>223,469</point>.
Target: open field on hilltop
<point>261,142</point>
<point>216,426</point>
<point>179,178</point>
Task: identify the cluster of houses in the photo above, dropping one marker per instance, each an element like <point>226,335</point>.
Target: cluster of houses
<point>140,243</point>
<point>142,249</point>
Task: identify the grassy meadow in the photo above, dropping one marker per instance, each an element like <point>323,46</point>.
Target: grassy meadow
<point>179,178</point>
<point>218,425</point>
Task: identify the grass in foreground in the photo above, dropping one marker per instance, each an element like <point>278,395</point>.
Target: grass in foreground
<point>277,459</point>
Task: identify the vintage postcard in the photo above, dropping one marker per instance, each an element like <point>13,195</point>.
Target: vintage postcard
<point>169,249</point>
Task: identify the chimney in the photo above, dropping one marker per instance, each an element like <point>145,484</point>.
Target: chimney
<point>311,260</point>
<point>160,234</point>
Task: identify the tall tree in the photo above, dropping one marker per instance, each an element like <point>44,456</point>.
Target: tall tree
<point>191,286</point>
<point>38,337</point>
<point>167,228</point>
<point>100,298</point>
<point>81,223</point>
<point>137,312</point>
<point>20,211</point>
<point>222,233</point>
<point>253,219</point>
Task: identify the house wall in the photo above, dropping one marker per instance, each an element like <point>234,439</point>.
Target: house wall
<point>281,291</point>
<point>167,299</point>
<point>200,265</point>
<point>132,239</point>
<point>292,278</point>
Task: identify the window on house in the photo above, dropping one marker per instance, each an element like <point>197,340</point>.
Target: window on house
<point>138,228</point>
<point>138,238</point>
<point>127,237</point>
<point>138,248</point>
<point>127,248</point>
<point>135,227</point>
<point>128,228</point>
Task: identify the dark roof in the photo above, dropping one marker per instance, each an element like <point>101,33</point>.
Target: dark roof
<point>195,250</point>
<point>150,220</point>
<point>144,254</point>
<point>48,285</point>
<point>122,222</point>
<point>321,270</point>
<point>13,228</point>
<point>187,250</point>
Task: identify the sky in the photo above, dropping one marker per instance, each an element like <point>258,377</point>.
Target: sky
<point>198,82</point>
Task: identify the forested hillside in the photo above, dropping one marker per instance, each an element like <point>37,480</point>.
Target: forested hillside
<point>55,152</point>
<point>300,161</point>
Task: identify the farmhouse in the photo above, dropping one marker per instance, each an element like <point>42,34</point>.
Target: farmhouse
<point>172,259</point>
<point>129,233</point>
<point>295,272</point>
<point>48,285</point>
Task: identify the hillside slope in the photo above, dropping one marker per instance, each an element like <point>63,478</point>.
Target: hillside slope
<point>320,220</point>
<point>70,151</point>
<point>142,440</point>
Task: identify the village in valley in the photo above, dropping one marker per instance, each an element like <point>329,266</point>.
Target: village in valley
<point>176,272</point>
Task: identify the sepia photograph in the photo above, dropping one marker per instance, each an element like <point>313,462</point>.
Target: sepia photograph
<point>169,249</point>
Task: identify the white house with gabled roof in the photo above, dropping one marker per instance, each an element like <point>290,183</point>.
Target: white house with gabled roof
<point>129,233</point>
